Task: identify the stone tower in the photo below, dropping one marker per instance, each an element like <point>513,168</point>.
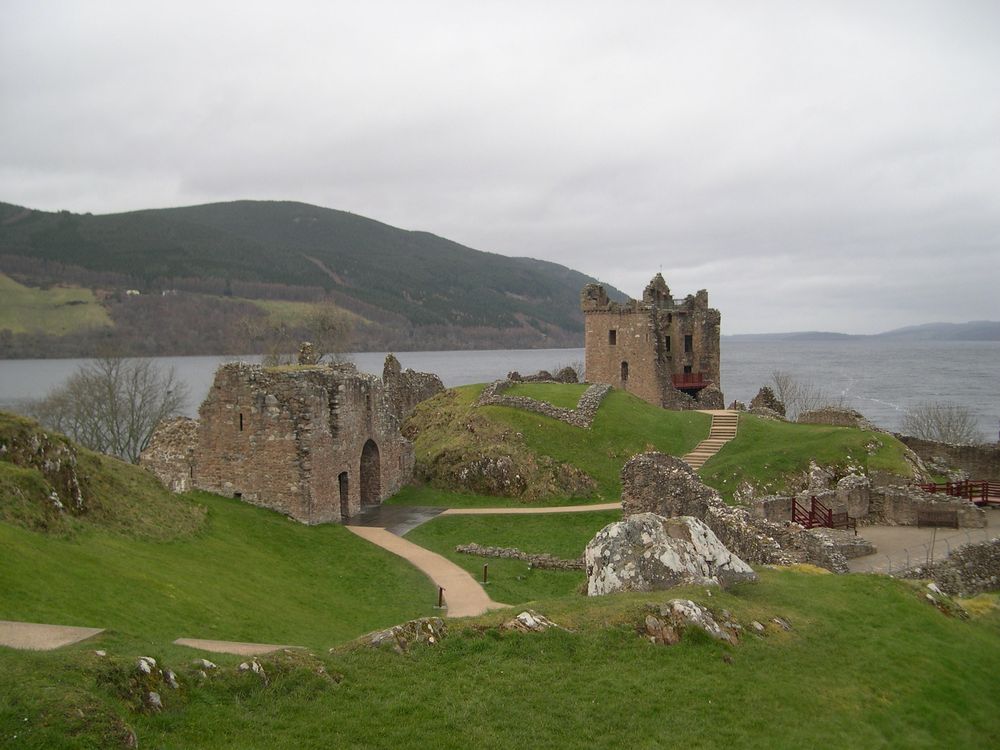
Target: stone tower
<point>665,352</point>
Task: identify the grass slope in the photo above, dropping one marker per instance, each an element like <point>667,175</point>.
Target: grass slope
<point>624,426</point>
<point>512,581</point>
<point>247,574</point>
<point>57,311</point>
<point>771,454</point>
<point>868,664</point>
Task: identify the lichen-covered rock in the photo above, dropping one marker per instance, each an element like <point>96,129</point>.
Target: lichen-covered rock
<point>647,552</point>
<point>667,622</point>
<point>529,621</point>
<point>25,444</point>
<point>401,638</point>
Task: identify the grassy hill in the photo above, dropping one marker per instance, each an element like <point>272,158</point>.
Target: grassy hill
<point>449,431</point>
<point>868,660</point>
<point>416,284</point>
<point>57,310</point>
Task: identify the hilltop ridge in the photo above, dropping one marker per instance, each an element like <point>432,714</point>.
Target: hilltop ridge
<point>406,289</point>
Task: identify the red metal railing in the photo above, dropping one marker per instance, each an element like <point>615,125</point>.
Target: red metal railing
<point>690,380</point>
<point>977,491</point>
<point>817,514</point>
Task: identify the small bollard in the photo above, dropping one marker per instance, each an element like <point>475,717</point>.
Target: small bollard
<point>440,597</point>
<point>486,573</point>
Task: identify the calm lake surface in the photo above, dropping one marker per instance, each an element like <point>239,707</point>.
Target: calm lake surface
<point>881,379</point>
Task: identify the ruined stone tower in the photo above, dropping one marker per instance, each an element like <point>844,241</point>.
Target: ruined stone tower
<point>316,442</point>
<point>663,351</point>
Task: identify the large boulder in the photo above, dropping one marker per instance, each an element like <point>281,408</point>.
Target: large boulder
<point>647,552</point>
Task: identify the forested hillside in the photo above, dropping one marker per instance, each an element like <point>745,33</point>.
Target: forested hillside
<point>402,289</point>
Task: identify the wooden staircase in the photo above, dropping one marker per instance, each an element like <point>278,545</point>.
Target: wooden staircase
<point>724,423</point>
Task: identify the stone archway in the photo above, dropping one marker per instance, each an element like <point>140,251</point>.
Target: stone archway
<point>371,475</point>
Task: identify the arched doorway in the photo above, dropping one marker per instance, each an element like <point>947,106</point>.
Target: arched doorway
<point>371,474</point>
<point>345,496</point>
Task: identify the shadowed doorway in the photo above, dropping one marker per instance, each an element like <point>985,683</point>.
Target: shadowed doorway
<point>371,483</point>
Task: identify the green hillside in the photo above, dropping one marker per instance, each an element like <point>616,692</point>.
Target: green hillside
<point>415,283</point>
<point>58,310</point>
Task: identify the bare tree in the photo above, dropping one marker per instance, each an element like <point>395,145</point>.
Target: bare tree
<point>942,421</point>
<point>799,396</point>
<point>327,327</point>
<point>112,404</point>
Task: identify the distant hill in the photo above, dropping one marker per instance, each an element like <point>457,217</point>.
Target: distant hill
<point>976,330</point>
<point>411,289</point>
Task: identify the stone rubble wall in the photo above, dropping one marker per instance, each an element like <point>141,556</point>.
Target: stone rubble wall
<point>582,416</point>
<point>170,453</point>
<point>977,461</point>
<point>837,417</point>
<point>766,399</point>
<point>971,569</point>
<point>535,560</point>
<point>898,505</point>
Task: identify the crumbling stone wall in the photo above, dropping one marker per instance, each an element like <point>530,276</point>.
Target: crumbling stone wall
<point>661,484</point>
<point>316,442</point>
<point>641,346</point>
<point>899,504</point>
<point>971,569</point>
<point>407,388</point>
<point>977,461</point>
<point>836,416</point>
<point>170,454</point>
<point>582,416</point>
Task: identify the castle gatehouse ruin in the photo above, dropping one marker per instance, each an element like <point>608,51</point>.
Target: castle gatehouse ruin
<point>316,442</point>
<point>665,352</point>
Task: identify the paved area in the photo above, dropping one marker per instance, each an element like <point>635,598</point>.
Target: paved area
<point>32,636</point>
<point>398,519</point>
<point>903,546</point>
<point>230,647</point>
<point>463,596</point>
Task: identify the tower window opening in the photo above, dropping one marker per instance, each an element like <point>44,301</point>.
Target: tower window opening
<point>689,343</point>
<point>612,337</point>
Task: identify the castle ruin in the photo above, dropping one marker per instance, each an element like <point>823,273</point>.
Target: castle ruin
<point>664,351</point>
<point>316,442</point>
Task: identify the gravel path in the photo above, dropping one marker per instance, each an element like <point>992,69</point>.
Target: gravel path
<point>32,636</point>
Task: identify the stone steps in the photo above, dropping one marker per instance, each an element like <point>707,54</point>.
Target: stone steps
<point>724,426</point>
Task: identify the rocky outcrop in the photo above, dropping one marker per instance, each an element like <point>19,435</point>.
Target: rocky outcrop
<point>530,621</point>
<point>766,399</point>
<point>666,623</point>
<point>26,445</point>
<point>401,638</point>
<point>971,569</point>
<point>647,552</point>
<point>661,484</point>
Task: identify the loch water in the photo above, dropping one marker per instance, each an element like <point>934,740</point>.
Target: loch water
<point>879,378</point>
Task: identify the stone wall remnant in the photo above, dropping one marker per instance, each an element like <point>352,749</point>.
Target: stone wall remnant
<point>836,416</point>
<point>970,570</point>
<point>315,442</point>
<point>662,350</point>
<point>766,399</point>
<point>977,461</point>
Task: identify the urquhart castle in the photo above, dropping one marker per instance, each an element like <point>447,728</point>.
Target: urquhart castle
<point>663,351</point>
<point>321,443</point>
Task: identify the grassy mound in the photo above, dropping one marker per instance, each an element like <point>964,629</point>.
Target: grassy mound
<point>868,663</point>
<point>48,483</point>
<point>449,432</point>
<point>773,456</point>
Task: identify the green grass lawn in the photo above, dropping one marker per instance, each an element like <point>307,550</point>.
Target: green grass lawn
<point>247,575</point>
<point>767,453</point>
<point>565,395</point>
<point>57,311</point>
<point>512,581</point>
<point>868,664</point>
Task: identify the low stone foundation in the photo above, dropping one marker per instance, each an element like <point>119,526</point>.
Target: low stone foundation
<point>535,560</point>
<point>977,461</point>
<point>582,416</point>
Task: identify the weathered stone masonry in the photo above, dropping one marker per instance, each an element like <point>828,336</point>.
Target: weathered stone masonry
<point>317,442</point>
<point>663,351</point>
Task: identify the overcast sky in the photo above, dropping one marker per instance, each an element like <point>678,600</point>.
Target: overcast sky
<point>814,165</point>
